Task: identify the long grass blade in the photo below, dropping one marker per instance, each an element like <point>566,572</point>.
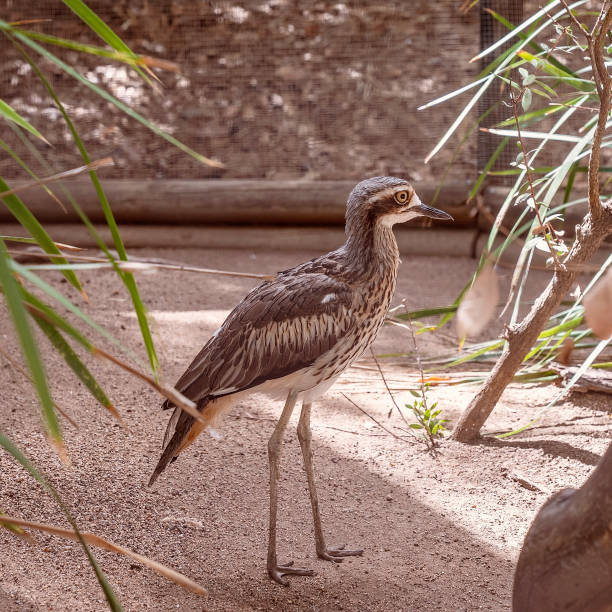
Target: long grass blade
<point>12,294</point>
<point>21,212</point>
<point>125,58</point>
<point>60,245</point>
<point>103,31</point>
<point>97,263</point>
<point>76,365</point>
<point>126,277</point>
<point>531,134</point>
<point>11,115</point>
<point>94,165</point>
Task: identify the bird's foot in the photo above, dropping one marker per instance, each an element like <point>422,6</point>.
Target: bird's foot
<point>337,553</point>
<point>277,572</point>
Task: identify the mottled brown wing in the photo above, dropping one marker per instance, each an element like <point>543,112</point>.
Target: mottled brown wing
<point>279,328</point>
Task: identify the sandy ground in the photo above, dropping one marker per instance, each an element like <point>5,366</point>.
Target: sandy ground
<point>439,533</point>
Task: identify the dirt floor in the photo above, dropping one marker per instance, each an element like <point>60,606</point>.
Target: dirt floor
<point>439,533</point>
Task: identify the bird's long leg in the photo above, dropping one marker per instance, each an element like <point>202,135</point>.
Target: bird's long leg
<point>305,437</point>
<point>275,571</point>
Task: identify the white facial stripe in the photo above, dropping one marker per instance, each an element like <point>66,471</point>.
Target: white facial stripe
<point>404,215</point>
<point>389,192</point>
<point>392,218</point>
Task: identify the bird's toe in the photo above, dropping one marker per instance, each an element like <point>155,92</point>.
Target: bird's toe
<point>337,553</point>
<point>278,572</point>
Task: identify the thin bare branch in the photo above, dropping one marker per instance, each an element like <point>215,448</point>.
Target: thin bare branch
<point>348,399</point>
<point>138,264</point>
<point>388,390</point>
<point>169,392</point>
<point>574,19</point>
<point>95,540</point>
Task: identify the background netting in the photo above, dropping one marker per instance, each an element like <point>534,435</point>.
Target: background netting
<point>272,88</point>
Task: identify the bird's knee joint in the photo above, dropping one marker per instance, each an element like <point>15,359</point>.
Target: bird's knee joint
<point>302,433</point>
<point>273,447</point>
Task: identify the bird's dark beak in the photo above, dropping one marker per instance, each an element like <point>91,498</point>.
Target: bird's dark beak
<point>429,211</point>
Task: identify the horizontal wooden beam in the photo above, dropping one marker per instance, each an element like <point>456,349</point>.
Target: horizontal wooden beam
<point>444,241</point>
<point>232,201</point>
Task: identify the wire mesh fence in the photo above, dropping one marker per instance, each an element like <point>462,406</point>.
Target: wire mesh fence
<point>271,88</point>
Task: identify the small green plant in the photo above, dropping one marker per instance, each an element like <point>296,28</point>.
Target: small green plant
<point>428,421</point>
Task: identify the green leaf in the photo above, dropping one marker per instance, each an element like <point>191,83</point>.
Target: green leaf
<point>550,90</point>
<point>562,75</point>
<point>75,363</point>
<point>126,277</point>
<point>12,294</point>
<point>21,212</point>
<point>490,346</point>
<point>131,59</point>
<point>8,113</point>
<point>425,312</point>
<point>56,295</point>
<point>533,44</point>
<point>50,315</point>
<point>102,30</point>
<point>416,426</point>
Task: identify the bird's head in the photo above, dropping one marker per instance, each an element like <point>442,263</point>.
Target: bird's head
<point>386,200</point>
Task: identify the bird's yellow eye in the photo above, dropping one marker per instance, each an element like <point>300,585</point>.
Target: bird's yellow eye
<point>401,197</point>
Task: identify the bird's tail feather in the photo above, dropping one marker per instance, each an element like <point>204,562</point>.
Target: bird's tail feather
<point>181,431</point>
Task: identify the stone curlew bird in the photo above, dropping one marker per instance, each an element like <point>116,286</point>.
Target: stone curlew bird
<point>294,335</point>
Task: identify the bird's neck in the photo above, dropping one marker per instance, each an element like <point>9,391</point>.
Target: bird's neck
<point>371,249</point>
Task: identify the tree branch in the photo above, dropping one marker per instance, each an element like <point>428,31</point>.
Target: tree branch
<point>595,42</point>
<point>589,237</point>
<point>596,225</point>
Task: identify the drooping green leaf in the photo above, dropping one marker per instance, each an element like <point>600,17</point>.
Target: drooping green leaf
<point>126,277</point>
<point>126,58</point>
<point>103,31</point>
<point>12,294</point>
<point>22,213</point>
<point>61,299</point>
<point>75,363</point>
<point>9,113</point>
